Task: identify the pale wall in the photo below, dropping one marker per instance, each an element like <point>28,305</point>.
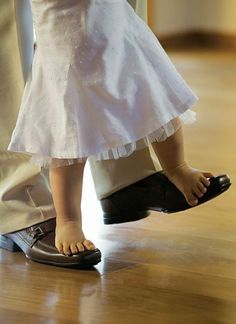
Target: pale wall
<point>219,15</point>
<point>177,16</point>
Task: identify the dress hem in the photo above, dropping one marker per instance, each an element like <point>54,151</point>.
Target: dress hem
<point>120,150</point>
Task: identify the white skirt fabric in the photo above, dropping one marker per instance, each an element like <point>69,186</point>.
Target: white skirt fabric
<point>100,85</point>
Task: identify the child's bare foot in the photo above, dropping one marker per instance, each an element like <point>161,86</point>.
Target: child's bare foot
<point>191,182</point>
<point>70,238</point>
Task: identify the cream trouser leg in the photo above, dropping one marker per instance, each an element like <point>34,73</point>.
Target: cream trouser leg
<point>25,196</point>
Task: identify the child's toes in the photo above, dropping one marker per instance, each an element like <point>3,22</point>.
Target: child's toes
<point>80,247</point>
<point>89,245</point>
<point>59,247</point>
<point>205,181</point>
<point>208,174</point>
<point>202,188</point>
<point>191,199</point>
<point>66,249</point>
<point>73,248</point>
<point>198,192</point>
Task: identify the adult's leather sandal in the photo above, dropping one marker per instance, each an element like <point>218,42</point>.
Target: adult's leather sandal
<point>154,192</point>
<point>38,244</point>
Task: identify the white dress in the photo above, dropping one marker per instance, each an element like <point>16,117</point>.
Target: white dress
<point>100,83</point>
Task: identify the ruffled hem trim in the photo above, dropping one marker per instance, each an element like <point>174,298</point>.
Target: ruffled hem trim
<point>125,150</point>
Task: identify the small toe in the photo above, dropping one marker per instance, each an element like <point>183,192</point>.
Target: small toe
<point>198,192</point>
<point>89,245</point>
<point>202,188</point>
<point>208,174</point>
<point>66,249</point>
<point>80,247</point>
<point>192,199</point>
<point>74,249</point>
<point>59,248</point>
<point>205,181</point>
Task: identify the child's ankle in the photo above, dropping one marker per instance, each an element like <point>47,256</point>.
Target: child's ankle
<point>173,170</point>
<point>68,220</point>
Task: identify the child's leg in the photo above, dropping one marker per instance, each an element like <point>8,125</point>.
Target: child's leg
<point>66,184</point>
<point>191,182</point>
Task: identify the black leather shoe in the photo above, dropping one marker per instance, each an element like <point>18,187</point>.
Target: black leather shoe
<point>157,193</point>
<point>38,244</point>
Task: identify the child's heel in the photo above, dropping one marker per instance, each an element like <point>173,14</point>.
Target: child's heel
<point>7,244</point>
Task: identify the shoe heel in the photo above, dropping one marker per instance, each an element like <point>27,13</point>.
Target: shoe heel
<point>113,218</point>
<point>7,244</point>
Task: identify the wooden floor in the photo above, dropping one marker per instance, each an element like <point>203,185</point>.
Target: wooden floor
<point>165,269</point>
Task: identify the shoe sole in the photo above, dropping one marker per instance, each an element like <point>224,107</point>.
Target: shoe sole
<point>89,262</point>
<point>117,218</point>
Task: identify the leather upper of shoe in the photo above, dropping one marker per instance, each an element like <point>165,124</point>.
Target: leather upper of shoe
<point>38,241</point>
<point>155,192</point>
<point>154,189</point>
